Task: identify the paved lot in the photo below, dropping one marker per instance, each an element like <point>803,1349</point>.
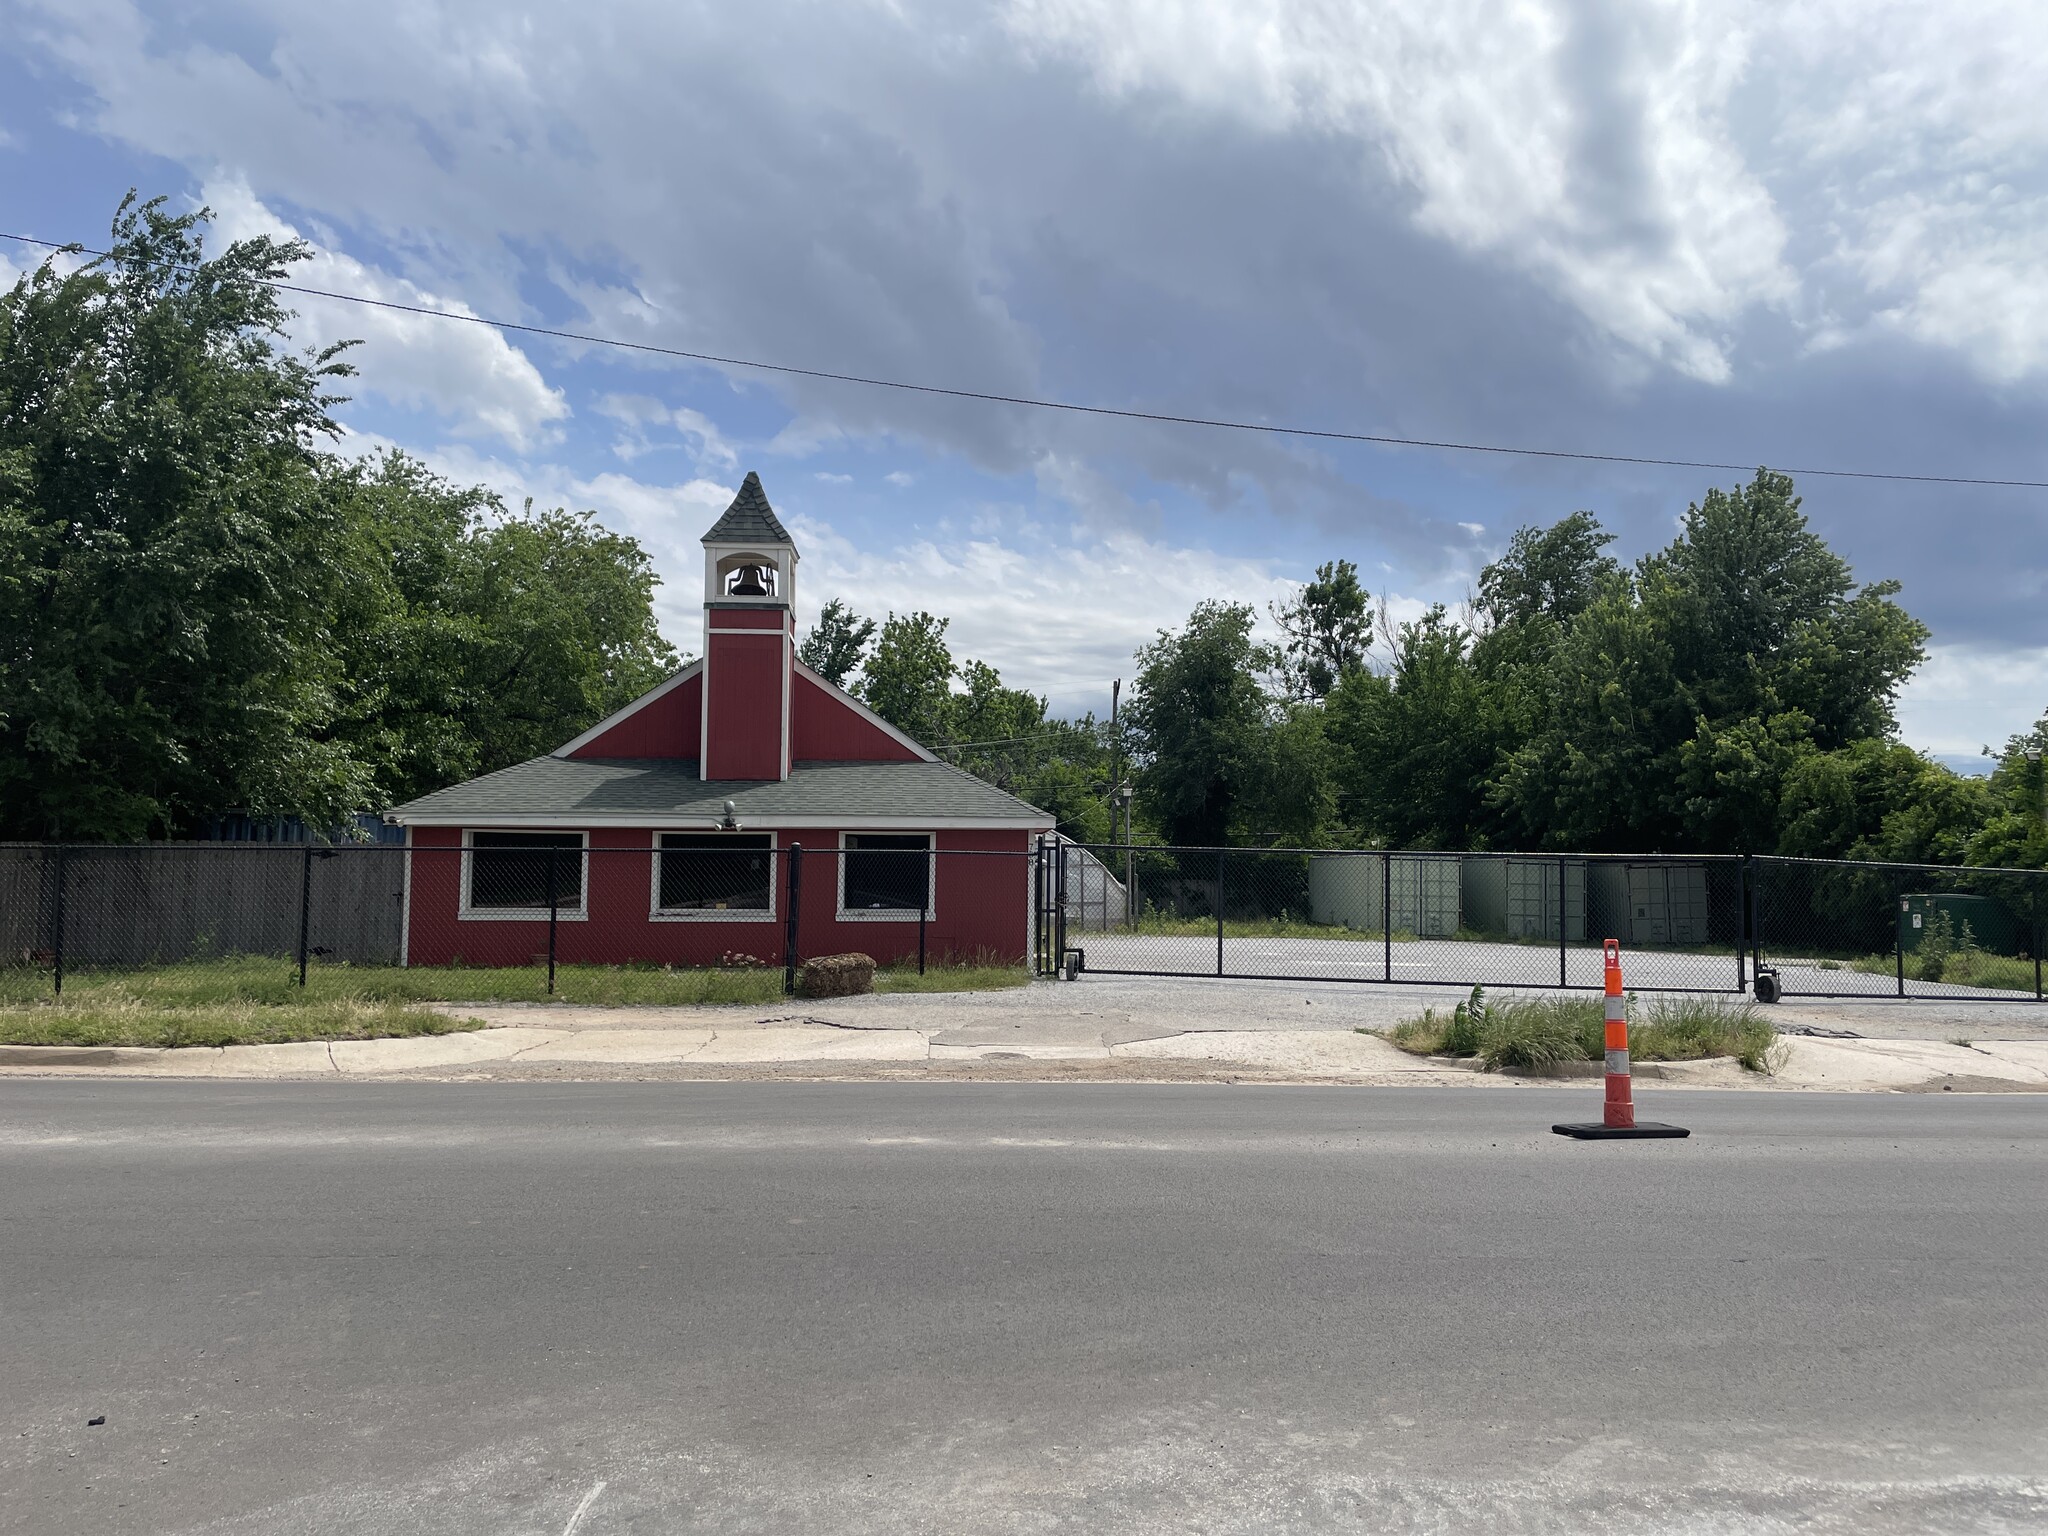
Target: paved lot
<point>863,1308</point>
<point>1464,962</point>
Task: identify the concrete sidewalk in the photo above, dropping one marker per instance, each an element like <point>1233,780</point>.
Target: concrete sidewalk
<point>1095,1030</point>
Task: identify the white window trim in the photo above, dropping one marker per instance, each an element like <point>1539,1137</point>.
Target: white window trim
<point>469,914</point>
<point>656,913</point>
<point>893,914</point>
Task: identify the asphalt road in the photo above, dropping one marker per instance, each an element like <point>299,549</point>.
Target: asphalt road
<point>852,1308</point>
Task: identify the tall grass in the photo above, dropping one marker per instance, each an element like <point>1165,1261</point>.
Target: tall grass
<point>1537,1032</point>
<point>274,983</point>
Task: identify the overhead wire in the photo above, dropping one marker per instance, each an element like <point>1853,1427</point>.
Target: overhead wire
<point>1076,408</point>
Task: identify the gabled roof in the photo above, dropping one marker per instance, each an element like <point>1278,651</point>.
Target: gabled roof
<point>749,520</point>
<point>644,792</point>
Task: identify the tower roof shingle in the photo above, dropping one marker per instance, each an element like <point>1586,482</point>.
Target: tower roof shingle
<point>749,520</point>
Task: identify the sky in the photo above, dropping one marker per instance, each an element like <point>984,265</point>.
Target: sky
<point>1809,236</point>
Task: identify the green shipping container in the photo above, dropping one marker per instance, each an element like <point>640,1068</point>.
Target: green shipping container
<point>1347,890</point>
<point>1993,927</point>
<point>1650,903</point>
<point>1519,897</point>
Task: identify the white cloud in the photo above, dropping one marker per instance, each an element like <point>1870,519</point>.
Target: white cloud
<point>642,415</point>
<point>1965,698</point>
<point>902,479</point>
<point>468,374</point>
<point>829,478</point>
<point>1587,144</point>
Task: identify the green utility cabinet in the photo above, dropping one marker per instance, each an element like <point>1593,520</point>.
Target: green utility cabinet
<point>1349,890</point>
<point>1520,898</point>
<point>1993,927</point>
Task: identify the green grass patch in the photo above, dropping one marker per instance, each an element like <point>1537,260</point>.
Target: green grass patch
<point>114,1020</point>
<point>953,976</point>
<point>1962,968</point>
<point>1536,1032</point>
<point>244,982</point>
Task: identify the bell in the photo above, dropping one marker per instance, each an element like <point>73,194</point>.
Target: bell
<point>749,581</point>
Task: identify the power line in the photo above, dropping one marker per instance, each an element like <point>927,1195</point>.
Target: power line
<point>1167,418</point>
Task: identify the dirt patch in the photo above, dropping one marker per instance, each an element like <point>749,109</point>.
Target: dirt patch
<point>1960,1083</point>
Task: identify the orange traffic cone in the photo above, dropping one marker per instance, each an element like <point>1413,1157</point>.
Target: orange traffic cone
<point>1618,1122</point>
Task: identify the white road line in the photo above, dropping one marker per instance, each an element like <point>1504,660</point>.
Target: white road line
<point>583,1509</point>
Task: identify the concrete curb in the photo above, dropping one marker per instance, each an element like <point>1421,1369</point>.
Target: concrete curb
<point>767,1045</point>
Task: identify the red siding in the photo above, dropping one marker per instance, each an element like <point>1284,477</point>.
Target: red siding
<point>824,730</point>
<point>982,907</point>
<point>669,727</point>
<point>743,729</point>
<point>748,618</point>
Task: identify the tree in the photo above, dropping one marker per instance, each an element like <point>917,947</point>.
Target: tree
<point>203,610</point>
<point>1199,721</point>
<point>167,543</point>
<point>1680,701</point>
<point>837,643</point>
<point>1418,745</point>
<point>1549,573</point>
<point>1328,625</point>
<point>909,676</point>
<point>2014,834</point>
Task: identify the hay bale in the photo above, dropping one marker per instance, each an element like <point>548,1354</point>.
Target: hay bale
<point>836,976</point>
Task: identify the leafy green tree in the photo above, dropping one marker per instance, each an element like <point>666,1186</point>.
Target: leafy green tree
<point>1681,700</point>
<point>2014,834</point>
<point>161,644</point>
<point>1417,742</point>
<point>202,609</point>
<point>472,639</point>
<point>1199,720</point>
<point>837,644</point>
<point>908,678</point>
<point>1328,625</point>
<point>1548,574</point>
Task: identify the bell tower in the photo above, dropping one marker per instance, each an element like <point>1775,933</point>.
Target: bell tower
<point>749,640</point>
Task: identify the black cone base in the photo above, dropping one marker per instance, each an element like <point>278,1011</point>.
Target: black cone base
<point>1642,1130</point>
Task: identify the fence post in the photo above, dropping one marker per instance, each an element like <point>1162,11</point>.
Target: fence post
<point>1742,924</point>
<point>554,917</point>
<point>924,903</point>
<point>1219,911</point>
<point>789,928</point>
<point>1898,935</point>
<point>57,922</point>
<point>1563,882</point>
<point>2039,886</point>
<point>1387,913</point>
<point>1038,905</point>
<point>305,909</point>
<point>1059,906</point>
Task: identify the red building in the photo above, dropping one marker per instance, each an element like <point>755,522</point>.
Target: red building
<point>666,833</point>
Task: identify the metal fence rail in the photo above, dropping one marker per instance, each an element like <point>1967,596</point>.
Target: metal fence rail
<point>1834,929</point>
<point>1426,918</point>
<point>506,899</point>
<point>1813,928</point>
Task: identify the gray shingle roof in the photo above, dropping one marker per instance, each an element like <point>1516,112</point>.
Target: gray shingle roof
<point>574,790</point>
<point>749,520</point>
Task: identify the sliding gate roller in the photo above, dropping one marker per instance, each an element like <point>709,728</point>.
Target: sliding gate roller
<point>1618,1122</point>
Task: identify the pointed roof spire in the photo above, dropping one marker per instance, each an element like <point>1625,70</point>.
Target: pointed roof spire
<point>749,520</point>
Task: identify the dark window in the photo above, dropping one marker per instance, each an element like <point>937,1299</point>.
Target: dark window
<point>509,870</point>
<point>887,871</point>
<point>715,871</point>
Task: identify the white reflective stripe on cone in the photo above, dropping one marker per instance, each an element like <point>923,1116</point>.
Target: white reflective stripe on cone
<point>1617,1063</point>
<point>1615,1013</point>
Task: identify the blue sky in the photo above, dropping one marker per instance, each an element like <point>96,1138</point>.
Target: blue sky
<point>1812,235</point>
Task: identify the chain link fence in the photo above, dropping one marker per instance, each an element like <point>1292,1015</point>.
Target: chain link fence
<point>1512,920</point>
<point>509,898</point>
<point>1828,929</point>
<point>1812,928</point>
